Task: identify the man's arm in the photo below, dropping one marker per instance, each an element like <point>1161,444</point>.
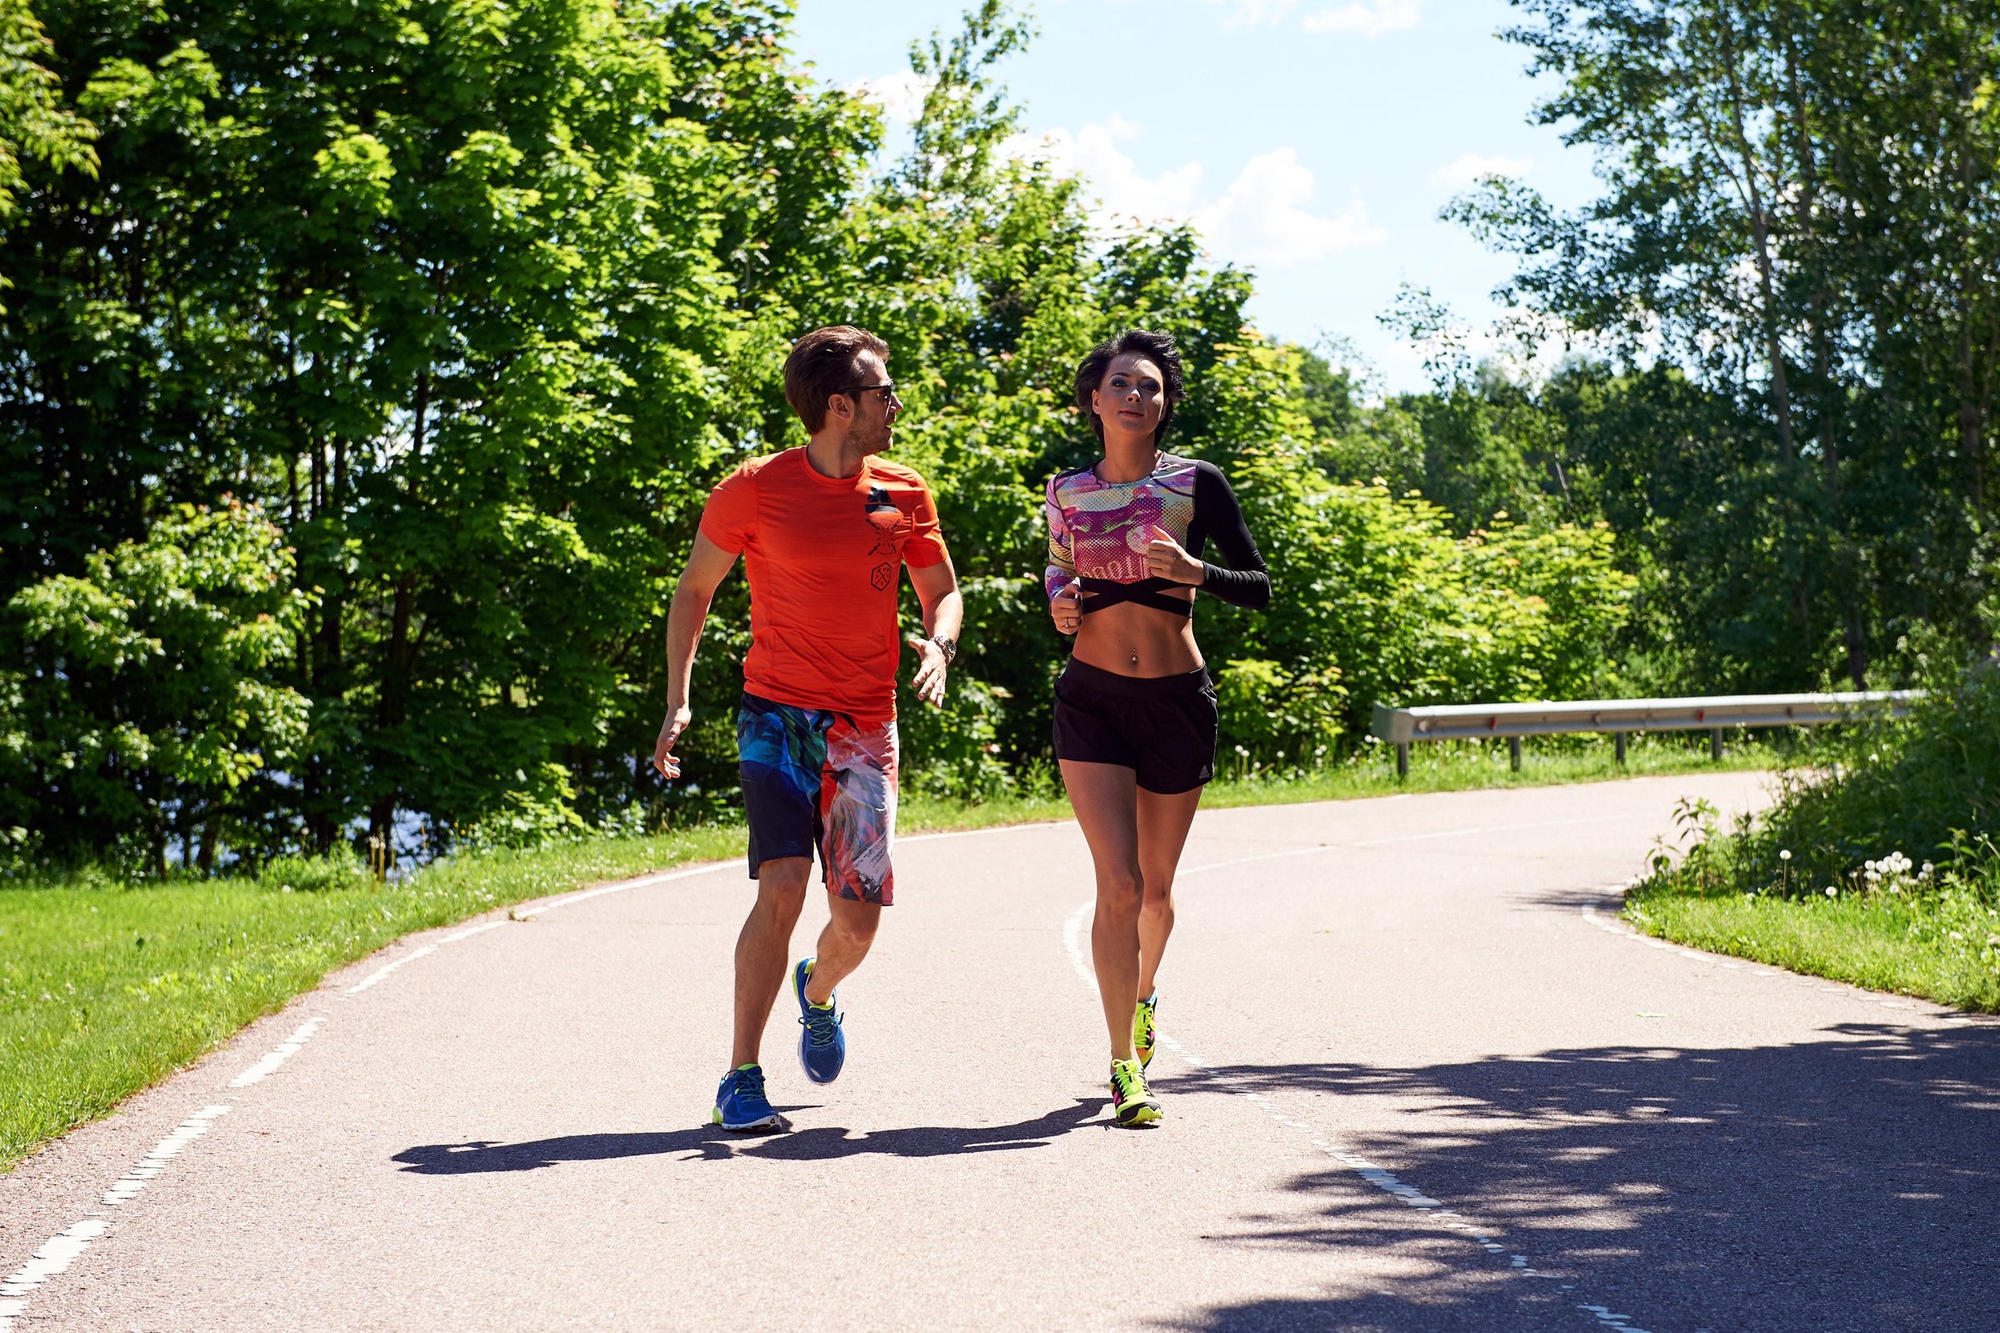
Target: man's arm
<point>708,564</point>
<point>944,614</point>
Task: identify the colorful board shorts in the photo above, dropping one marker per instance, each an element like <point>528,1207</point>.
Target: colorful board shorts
<point>816,778</point>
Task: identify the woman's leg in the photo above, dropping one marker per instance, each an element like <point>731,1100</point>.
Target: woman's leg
<point>1105,798</point>
<point>1163,829</point>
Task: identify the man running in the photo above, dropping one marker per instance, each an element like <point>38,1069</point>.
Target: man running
<point>824,531</point>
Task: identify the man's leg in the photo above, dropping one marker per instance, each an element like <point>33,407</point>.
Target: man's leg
<point>842,945</point>
<point>763,950</point>
<point>858,810</point>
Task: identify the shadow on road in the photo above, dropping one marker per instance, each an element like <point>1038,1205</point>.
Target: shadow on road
<point>1845,1184</point>
<point>711,1143</point>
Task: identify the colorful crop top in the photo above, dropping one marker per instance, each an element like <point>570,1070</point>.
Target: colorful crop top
<point>1099,531</point>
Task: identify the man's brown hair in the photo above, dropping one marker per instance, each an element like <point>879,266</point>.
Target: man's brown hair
<point>821,365</point>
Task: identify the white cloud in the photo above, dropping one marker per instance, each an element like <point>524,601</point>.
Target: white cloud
<point>1370,18</point>
<point>1263,219</point>
<point>1470,167</point>
<point>1255,13</point>
<point>1122,189</point>
<point>900,95</point>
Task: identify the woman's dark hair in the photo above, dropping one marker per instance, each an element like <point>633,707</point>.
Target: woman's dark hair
<point>1159,347</point>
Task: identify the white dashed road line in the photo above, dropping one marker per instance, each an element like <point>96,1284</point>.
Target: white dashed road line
<point>61,1250</point>
<point>288,1048</point>
<point>1386,1181</point>
<point>56,1254</point>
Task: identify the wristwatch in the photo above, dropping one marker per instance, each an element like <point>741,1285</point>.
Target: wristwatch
<point>949,647</point>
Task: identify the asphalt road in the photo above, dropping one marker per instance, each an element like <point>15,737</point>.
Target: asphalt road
<point>1418,1078</point>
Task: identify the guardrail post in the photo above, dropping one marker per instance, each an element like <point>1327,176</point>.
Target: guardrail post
<point>1514,753</point>
<point>1715,745</point>
<point>1620,739</point>
<point>1402,759</point>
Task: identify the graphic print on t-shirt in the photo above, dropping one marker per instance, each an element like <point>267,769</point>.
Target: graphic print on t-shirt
<point>1100,529</point>
<point>890,524</point>
<point>823,570</point>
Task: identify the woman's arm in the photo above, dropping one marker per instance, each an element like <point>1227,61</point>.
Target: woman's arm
<point>1247,580</point>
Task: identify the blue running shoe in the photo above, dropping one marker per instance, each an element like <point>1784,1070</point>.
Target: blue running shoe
<point>822,1045</point>
<point>740,1103</point>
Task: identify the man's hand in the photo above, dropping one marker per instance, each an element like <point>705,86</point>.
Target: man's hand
<point>1066,607</point>
<point>665,760</point>
<point>929,682</point>
<point>1166,559</point>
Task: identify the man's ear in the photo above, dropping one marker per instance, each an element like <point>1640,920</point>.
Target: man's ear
<point>840,405</point>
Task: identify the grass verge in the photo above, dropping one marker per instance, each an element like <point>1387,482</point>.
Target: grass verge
<point>1434,767</point>
<point>1877,864</point>
<point>107,987</point>
<point>1943,950</point>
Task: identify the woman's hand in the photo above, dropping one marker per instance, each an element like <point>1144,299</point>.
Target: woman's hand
<point>1066,607</point>
<point>1166,559</point>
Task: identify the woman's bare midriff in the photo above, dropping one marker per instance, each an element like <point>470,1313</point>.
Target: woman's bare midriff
<point>1133,640</point>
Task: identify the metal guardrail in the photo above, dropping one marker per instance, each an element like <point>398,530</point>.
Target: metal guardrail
<point>1622,717</point>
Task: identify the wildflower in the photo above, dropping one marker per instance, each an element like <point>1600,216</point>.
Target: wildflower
<point>1832,892</point>
<point>1785,855</point>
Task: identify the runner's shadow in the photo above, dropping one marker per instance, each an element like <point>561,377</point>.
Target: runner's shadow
<point>1846,1182</point>
<point>711,1143</point>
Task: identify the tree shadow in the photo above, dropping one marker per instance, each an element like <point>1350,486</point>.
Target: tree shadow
<point>1849,1183</point>
<point>713,1143</point>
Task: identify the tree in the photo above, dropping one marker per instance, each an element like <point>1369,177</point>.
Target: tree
<point>153,705</point>
<point>1798,209</point>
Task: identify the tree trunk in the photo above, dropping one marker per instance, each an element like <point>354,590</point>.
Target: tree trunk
<point>1760,233</point>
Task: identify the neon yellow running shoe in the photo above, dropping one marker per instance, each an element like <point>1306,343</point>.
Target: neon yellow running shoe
<point>1142,1029</point>
<point>1132,1102</point>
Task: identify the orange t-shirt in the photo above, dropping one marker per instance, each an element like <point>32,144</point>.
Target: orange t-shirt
<point>824,556</point>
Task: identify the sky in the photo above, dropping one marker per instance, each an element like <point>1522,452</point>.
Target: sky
<point>1313,141</point>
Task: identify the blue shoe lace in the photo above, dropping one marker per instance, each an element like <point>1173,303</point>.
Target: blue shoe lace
<point>749,1085</point>
<point>820,1024</point>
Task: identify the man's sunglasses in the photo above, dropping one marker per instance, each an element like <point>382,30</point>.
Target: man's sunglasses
<point>888,388</point>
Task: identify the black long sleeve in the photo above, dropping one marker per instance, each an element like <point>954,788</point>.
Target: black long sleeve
<point>1217,516</point>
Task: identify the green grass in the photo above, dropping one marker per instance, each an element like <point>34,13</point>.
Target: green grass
<point>108,987</point>
<point>1435,766</point>
<point>1942,949</point>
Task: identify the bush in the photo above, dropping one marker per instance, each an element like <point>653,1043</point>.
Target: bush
<point>155,696</point>
<point>1907,808</point>
<point>339,869</point>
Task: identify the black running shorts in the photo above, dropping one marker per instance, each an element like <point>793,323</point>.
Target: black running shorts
<point>1161,727</point>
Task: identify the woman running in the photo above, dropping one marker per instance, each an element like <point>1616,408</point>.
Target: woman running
<point>1135,710</point>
